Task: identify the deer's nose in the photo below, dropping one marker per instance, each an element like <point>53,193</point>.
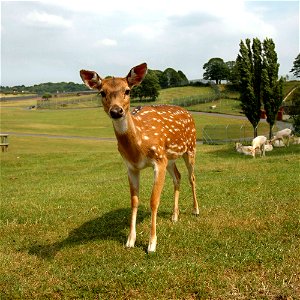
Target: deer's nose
<point>116,112</point>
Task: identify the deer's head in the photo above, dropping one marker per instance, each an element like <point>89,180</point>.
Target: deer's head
<point>115,91</point>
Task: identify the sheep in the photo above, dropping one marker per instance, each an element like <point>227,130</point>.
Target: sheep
<point>247,150</point>
<point>295,140</point>
<point>259,143</point>
<point>284,133</point>
<point>268,146</point>
<point>278,144</point>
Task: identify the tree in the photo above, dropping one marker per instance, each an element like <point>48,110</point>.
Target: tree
<point>47,96</point>
<point>232,72</point>
<point>149,88</point>
<point>258,81</point>
<point>183,78</point>
<point>272,88</point>
<point>296,67</point>
<point>172,77</point>
<point>249,66</point>
<point>215,69</point>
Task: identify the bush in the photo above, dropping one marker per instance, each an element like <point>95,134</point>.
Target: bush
<point>46,96</point>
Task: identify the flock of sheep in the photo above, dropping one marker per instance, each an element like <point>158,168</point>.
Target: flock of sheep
<point>260,144</point>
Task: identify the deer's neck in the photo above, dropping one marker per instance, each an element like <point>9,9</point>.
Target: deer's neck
<point>128,137</point>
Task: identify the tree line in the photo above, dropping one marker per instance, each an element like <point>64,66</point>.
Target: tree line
<point>155,80</point>
<point>49,87</point>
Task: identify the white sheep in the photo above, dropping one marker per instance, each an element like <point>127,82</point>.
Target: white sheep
<point>247,150</point>
<point>295,140</point>
<point>278,144</point>
<point>281,134</point>
<point>268,146</point>
<point>259,143</point>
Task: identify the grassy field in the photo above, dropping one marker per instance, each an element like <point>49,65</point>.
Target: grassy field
<point>65,208</point>
<point>224,106</point>
<point>91,122</point>
<point>65,217</point>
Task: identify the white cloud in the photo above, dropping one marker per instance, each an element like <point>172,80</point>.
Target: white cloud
<point>47,20</point>
<point>144,31</point>
<point>106,42</point>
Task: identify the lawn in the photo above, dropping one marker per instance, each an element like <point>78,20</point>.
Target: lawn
<point>224,106</point>
<point>65,212</point>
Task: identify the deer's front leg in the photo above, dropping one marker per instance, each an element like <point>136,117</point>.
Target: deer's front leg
<point>159,178</point>
<point>134,180</point>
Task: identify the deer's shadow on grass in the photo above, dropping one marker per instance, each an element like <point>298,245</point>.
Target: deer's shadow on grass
<point>113,225</point>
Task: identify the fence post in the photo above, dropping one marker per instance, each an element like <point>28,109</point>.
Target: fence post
<point>227,134</point>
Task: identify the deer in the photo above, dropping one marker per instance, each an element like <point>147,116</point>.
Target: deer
<point>149,136</point>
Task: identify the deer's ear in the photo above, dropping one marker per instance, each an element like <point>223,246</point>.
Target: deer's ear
<point>91,79</point>
<point>137,74</point>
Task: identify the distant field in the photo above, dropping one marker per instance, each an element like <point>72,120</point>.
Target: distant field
<point>194,98</point>
<point>86,122</point>
<point>224,106</point>
<point>14,95</point>
<point>289,85</point>
<point>167,95</point>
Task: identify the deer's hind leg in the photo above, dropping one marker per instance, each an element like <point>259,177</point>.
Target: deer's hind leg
<point>189,160</point>
<point>173,171</point>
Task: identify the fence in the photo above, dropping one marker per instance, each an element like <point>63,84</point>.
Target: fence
<point>194,100</point>
<point>221,134</point>
<point>92,100</point>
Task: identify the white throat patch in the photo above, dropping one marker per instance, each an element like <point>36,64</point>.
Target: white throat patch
<point>120,125</point>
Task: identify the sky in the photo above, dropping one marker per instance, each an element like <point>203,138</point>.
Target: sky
<point>50,41</point>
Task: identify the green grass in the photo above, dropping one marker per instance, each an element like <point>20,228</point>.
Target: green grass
<point>81,122</point>
<point>65,209</point>
<point>167,95</point>
<point>65,217</point>
<point>224,106</point>
<point>89,122</point>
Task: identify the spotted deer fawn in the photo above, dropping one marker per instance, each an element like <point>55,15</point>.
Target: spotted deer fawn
<point>150,136</point>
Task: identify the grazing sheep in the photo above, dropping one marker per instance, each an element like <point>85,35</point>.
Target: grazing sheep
<point>268,146</point>
<point>295,140</point>
<point>278,144</point>
<point>280,135</point>
<point>247,150</point>
<point>259,143</point>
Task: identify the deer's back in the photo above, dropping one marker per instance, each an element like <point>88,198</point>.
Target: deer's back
<point>165,130</point>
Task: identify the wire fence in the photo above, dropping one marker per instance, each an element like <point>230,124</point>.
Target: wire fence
<point>221,134</point>
<point>91,100</point>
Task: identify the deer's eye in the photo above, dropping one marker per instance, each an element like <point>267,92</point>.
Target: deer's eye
<point>102,93</point>
<point>127,92</point>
